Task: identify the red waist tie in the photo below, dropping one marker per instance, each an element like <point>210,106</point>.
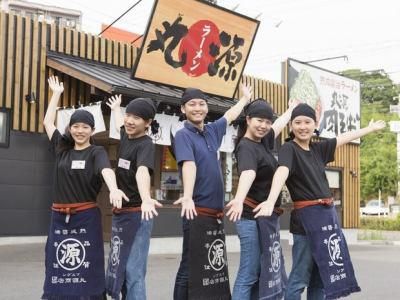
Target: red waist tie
<point>72,208</point>
<point>126,209</point>
<point>304,203</point>
<point>209,212</point>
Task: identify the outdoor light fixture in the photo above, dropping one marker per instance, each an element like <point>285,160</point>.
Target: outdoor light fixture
<point>353,174</point>
<point>31,98</point>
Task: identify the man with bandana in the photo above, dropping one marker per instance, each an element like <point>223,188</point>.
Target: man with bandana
<point>196,150</point>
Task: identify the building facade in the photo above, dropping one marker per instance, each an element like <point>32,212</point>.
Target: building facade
<point>92,69</point>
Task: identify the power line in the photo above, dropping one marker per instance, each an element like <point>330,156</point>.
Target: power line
<point>116,20</point>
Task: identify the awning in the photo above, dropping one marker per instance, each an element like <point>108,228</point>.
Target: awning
<point>116,80</point>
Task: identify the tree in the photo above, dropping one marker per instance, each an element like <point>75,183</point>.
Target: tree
<point>376,86</point>
<point>378,150</point>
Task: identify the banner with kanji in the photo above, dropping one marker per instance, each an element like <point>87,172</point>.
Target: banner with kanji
<point>335,98</point>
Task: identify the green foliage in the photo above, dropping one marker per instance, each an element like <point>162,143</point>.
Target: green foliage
<point>376,86</point>
<point>381,223</point>
<point>378,150</point>
<point>378,155</point>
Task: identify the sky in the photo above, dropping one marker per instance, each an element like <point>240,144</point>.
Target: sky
<point>366,31</point>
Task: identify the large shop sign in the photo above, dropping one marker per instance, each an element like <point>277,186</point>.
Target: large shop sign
<point>335,98</point>
<point>195,44</point>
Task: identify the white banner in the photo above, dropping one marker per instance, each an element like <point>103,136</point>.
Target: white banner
<point>228,142</point>
<point>64,115</point>
<point>171,124</point>
<point>335,98</point>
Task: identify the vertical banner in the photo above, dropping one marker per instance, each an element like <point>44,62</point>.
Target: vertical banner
<point>335,98</point>
<point>196,44</point>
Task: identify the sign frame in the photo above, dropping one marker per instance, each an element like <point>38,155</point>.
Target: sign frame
<point>140,53</point>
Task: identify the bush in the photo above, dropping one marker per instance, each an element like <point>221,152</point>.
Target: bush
<point>381,223</point>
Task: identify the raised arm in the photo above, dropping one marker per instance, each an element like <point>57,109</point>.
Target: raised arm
<point>234,112</point>
<point>352,135</point>
<point>284,119</point>
<point>236,205</point>
<point>267,207</point>
<point>49,119</point>
<point>148,206</point>
<point>114,102</point>
<point>189,179</point>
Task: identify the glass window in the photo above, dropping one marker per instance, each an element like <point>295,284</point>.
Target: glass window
<point>4,127</point>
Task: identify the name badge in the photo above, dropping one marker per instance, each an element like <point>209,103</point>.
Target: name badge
<point>124,164</point>
<point>78,165</point>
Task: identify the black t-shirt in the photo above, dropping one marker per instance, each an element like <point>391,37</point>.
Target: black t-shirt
<point>77,175</point>
<point>307,179</point>
<point>257,156</point>
<point>133,153</point>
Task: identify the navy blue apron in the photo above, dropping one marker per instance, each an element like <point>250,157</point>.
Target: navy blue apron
<point>329,250</point>
<point>273,279</point>
<point>75,257</point>
<point>123,231</point>
<point>208,265</point>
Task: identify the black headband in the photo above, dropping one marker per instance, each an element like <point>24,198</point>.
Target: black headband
<point>259,108</point>
<point>82,116</point>
<point>142,107</point>
<point>303,110</point>
<point>192,93</point>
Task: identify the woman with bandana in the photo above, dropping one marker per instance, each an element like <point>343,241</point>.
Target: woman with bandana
<point>132,222</point>
<point>321,260</point>
<point>74,248</point>
<point>256,167</point>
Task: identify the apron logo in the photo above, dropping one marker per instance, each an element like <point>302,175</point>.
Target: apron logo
<point>70,254</point>
<point>276,256</point>
<point>216,255</point>
<point>116,250</point>
<point>334,249</point>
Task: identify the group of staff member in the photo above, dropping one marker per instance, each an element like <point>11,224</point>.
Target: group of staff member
<point>74,249</point>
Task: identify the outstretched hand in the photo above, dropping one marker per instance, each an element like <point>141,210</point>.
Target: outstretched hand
<point>265,208</point>
<point>235,210</point>
<point>55,85</point>
<point>247,91</point>
<point>377,125</point>
<point>116,197</point>
<point>148,208</point>
<point>188,208</point>
<point>114,102</point>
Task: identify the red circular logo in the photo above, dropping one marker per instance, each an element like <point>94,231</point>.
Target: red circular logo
<point>196,44</point>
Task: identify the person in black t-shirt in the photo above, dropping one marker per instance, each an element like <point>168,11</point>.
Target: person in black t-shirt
<point>75,236</point>
<point>256,167</point>
<point>135,165</point>
<point>302,166</point>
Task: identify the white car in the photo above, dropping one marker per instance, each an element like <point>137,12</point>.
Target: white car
<point>372,208</point>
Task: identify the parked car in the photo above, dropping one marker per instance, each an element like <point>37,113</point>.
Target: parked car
<point>372,208</point>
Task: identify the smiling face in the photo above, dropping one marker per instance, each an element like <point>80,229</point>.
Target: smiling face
<point>135,126</point>
<point>257,128</point>
<point>195,110</point>
<point>303,128</point>
<point>81,133</point>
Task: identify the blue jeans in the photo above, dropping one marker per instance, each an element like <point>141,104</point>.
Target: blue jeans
<point>181,291</point>
<point>246,283</point>
<point>304,272</point>
<point>137,263</point>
